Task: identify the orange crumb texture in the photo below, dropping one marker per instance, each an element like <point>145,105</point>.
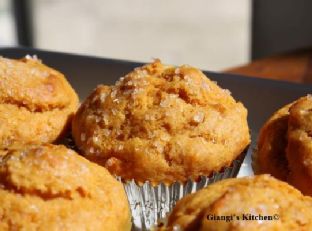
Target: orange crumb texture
<point>256,195</point>
<point>161,123</point>
<point>36,102</point>
<point>285,145</point>
<point>51,187</point>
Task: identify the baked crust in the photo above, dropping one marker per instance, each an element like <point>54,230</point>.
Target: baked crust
<point>256,195</point>
<point>50,187</point>
<point>161,124</point>
<point>299,148</point>
<point>285,145</point>
<point>272,142</point>
<point>36,103</point>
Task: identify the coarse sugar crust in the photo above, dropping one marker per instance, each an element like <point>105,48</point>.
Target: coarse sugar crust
<point>257,195</point>
<point>161,123</point>
<point>51,187</point>
<point>36,102</point>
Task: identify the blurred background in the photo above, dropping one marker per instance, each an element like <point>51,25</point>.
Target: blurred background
<point>210,34</point>
<point>207,33</point>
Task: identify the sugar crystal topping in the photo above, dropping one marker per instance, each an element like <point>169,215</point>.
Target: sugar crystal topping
<point>106,132</point>
<point>103,97</point>
<point>227,91</point>
<point>198,117</point>
<point>205,85</point>
<point>33,57</point>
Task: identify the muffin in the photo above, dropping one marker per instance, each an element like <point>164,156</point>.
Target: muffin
<point>250,203</point>
<point>162,125</point>
<point>50,187</point>
<point>36,103</point>
<point>270,156</point>
<point>285,145</point>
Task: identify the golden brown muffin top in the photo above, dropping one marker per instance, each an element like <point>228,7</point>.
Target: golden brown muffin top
<point>259,195</point>
<point>272,141</point>
<point>36,103</point>
<point>285,145</point>
<point>29,83</point>
<point>161,123</point>
<point>299,145</point>
<point>53,188</point>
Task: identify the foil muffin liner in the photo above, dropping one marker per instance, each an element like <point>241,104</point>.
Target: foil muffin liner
<point>150,204</point>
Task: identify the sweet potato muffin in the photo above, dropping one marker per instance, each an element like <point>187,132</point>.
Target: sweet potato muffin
<point>285,145</point>
<point>51,187</point>
<point>251,203</point>
<point>299,145</point>
<point>36,102</point>
<point>161,124</point>
<point>272,142</point>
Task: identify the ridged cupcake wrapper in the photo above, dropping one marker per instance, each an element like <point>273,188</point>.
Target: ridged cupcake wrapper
<point>149,204</point>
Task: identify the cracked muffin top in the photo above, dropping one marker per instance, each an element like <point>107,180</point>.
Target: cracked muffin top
<point>50,187</point>
<point>36,102</point>
<point>161,123</point>
<point>285,145</point>
<point>240,198</point>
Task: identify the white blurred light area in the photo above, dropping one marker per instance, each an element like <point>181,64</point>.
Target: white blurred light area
<point>7,31</point>
<point>205,33</point>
